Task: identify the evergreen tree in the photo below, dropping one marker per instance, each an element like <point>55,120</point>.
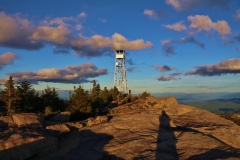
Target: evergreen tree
<point>8,97</point>
<point>51,99</point>
<point>79,103</point>
<point>3,109</point>
<point>105,97</point>
<point>29,100</point>
<point>114,93</point>
<point>144,95</point>
<point>96,101</point>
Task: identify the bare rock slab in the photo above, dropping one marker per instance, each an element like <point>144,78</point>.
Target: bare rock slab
<point>7,121</point>
<point>30,120</point>
<point>58,129</point>
<point>157,129</point>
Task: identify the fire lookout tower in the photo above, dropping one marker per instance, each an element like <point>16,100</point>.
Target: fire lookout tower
<point>120,79</point>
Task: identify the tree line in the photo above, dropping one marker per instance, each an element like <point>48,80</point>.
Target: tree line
<point>22,97</point>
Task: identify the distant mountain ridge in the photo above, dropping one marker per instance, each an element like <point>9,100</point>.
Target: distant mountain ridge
<point>199,97</point>
<point>181,97</point>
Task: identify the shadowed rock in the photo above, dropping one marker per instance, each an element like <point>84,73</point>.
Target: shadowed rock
<point>23,143</point>
<point>61,117</point>
<point>7,121</point>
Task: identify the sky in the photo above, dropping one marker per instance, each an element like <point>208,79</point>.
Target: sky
<point>188,46</point>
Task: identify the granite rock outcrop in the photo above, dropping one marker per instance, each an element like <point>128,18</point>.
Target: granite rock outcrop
<point>155,128</point>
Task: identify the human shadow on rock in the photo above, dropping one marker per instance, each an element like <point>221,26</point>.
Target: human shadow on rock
<point>166,141</point>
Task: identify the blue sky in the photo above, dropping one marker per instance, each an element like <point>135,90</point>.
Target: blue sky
<point>185,46</point>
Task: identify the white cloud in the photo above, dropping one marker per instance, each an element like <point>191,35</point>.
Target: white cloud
<point>18,32</point>
<point>201,22</point>
<point>82,15</point>
<point>15,31</point>
<point>7,58</point>
<point>57,35</point>
<point>155,14</point>
<point>167,41</point>
<point>179,26</point>
<point>180,5</point>
<point>117,41</point>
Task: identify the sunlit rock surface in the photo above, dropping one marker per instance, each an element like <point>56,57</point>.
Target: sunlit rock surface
<point>155,128</point>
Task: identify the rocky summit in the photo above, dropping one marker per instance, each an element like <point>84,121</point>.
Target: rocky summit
<point>155,128</point>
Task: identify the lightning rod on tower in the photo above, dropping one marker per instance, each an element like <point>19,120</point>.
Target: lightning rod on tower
<point>120,79</point>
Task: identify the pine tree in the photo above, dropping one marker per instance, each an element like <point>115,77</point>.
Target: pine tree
<point>8,97</point>
<point>79,103</point>
<point>96,101</point>
<point>52,100</point>
<point>105,97</point>
<point>114,93</point>
<point>29,100</point>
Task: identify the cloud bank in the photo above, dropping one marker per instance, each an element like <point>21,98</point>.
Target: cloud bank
<point>72,74</point>
<point>231,66</point>
<point>15,31</point>
<point>18,32</point>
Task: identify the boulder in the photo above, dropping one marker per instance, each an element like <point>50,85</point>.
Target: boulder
<point>61,117</point>
<point>91,121</point>
<point>75,125</point>
<point>101,119</point>
<point>23,143</point>
<point>149,103</point>
<point>30,120</point>
<point>7,121</point>
<point>161,102</point>
<point>58,129</point>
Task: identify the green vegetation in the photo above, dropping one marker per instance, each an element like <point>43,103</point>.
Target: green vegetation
<point>22,97</point>
<point>144,95</point>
